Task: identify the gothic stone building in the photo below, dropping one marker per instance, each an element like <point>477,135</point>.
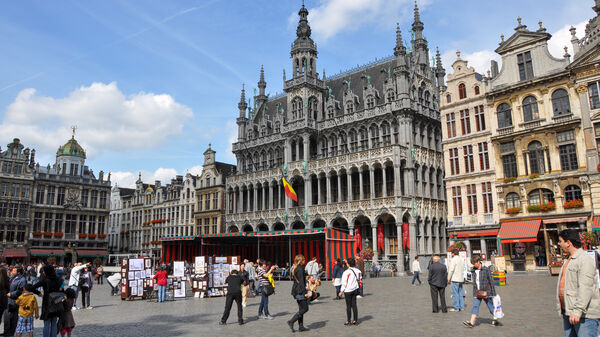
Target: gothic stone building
<point>16,183</point>
<point>361,149</point>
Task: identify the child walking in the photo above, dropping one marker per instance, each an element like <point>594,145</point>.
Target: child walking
<point>27,308</point>
<point>66,323</point>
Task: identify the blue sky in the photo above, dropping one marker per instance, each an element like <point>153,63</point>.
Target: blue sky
<point>150,84</point>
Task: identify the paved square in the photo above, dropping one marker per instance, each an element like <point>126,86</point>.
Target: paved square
<point>391,307</point>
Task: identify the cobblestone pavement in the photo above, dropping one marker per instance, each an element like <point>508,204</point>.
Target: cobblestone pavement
<point>391,307</point>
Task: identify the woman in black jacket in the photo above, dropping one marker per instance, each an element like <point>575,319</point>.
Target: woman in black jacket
<point>482,280</point>
<point>4,289</point>
<point>299,293</point>
<point>49,283</point>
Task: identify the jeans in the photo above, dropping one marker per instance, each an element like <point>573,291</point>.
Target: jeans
<point>416,277</point>
<point>161,293</point>
<point>458,300</point>
<point>264,305</point>
<point>351,306</point>
<point>85,297</point>
<point>587,327</point>
<point>50,329</point>
<point>100,279</point>
<point>76,290</point>
<point>337,291</point>
<point>477,303</point>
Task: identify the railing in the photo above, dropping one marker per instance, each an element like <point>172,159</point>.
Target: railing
<point>562,118</point>
<point>505,130</point>
<point>532,124</point>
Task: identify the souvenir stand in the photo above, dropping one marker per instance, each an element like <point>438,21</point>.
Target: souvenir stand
<point>199,277</point>
<point>279,247</point>
<point>137,276</point>
<point>219,268</point>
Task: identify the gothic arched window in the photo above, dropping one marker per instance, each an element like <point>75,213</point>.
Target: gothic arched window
<point>462,91</point>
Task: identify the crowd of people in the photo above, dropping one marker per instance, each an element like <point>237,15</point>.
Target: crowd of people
<point>256,279</point>
<point>58,286</point>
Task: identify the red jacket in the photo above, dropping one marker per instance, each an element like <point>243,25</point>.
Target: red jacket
<point>161,278</point>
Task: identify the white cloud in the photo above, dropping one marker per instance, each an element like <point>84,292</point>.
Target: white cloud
<point>106,119</point>
<point>164,175</point>
<point>562,38</point>
<point>480,60</point>
<point>333,16</point>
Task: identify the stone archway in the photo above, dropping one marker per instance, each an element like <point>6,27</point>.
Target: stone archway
<point>278,226</point>
<point>262,228</point>
<point>298,225</point>
<point>247,228</point>
<point>232,229</point>
<point>319,223</point>
<point>340,224</point>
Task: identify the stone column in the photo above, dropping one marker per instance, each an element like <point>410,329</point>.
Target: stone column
<point>372,182</point>
<point>383,176</point>
<point>308,198</point>
<point>483,247</point>
<point>361,194</point>
<point>306,192</point>
<point>412,233</point>
<point>227,198</point>
<point>271,195</point>
<point>349,189</point>
<point>306,146</point>
<point>328,199</point>
<point>400,262</point>
<point>255,199</point>
<point>339,187</point>
<point>319,198</point>
<point>374,235</point>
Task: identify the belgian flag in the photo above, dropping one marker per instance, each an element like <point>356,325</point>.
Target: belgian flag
<point>289,191</point>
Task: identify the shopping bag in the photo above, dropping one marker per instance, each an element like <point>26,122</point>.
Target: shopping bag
<point>497,307</point>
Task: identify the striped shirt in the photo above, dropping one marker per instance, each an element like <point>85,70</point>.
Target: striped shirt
<point>261,276</point>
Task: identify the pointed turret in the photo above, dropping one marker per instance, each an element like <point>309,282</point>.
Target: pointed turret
<point>417,25</point>
<point>419,43</point>
<point>241,120</point>
<point>440,72</point>
<point>242,105</point>
<point>261,83</point>
<point>304,49</point>
<point>399,49</point>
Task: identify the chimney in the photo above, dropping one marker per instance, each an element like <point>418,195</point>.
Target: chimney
<point>494,68</point>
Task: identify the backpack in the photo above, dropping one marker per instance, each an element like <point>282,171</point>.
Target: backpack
<point>56,302</point>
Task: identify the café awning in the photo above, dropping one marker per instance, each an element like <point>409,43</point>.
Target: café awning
<point>14,253</point>
<point>47,252</point>
<point>91,253</point>
<point>477,233</point>
<point>525,230</point>
<point>596,223</point>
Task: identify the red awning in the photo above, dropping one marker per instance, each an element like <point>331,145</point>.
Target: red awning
<point>596,223</point>
<point>14,253</point>
<point>47,252</point>
<point>87,252</point>
<point>519,231</point>
<point>484,232</point>
<point>564,220</point>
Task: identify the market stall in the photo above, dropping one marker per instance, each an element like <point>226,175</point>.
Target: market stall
<point>278,247</point>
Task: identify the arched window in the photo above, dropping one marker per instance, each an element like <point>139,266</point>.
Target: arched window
<point>313,108</point>
<point>427,98</point>
<point>333,145</point>
<point>297,108</point>
<point>353,140</point>
<point>513,200</point>
<point>462,91</point>
<point>370,102</point>
<point>343,143</point>
<point>560,102</point>
<point>448,99</point>
<point>421,94</point>
<point>385,133</point>
<point>374,135</point>
<point>504,116</point>
<point>390,95</point>
<point>300,108</point>
<point>324,146</point>
<point>530,109</point>
<point>476,90</point>
<point>540,196</point>
<point>573,192</point>
<point>536,157</point>
<point>263,160</point>
<point>364,138</point>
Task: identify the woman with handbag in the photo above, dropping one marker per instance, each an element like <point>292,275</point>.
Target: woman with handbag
<point>483,290</point>
<point>351,283</point>
<point>299,293</point>
<point>338,270</point>
<point>264,272</point>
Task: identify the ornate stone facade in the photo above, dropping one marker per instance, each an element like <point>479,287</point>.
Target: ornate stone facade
<point>539,146</point>
<point>469,160</point>
<point>361,149</point>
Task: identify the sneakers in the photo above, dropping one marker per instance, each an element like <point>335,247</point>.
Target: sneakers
<point>90,307</point>
<point>243,305</point>
<point>358,296</point>
<point>269,317</point>
<point>261,316</point>
<point>495,323</point>
<point>468,324</point>
<point>453,310</point>
<point>221,323</point>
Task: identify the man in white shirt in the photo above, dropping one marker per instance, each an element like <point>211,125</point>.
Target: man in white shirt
<point>416,269</point>
<point>312,267</point>
<point>456,277</point>
<point>74,279</point>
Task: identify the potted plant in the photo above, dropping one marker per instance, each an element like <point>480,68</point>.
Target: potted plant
<point>534,175</point>
<point>509,180</point>
<point>47,234</point>
<point>555,266</point>
<point>366,254</point>
<point>92,236</point>
<point>82,235</point>
<point>102,236</point>
<point>58,234</point>
<point>513,210</point>
<point>587,240</point>
<point>575,203</point>
<point>38,234</point>
<point>547,207</point>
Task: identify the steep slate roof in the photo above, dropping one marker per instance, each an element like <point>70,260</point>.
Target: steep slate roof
<point>126,191</point>
<point>224,168</point>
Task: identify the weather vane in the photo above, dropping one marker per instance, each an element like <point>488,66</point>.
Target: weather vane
<point>74,128</point>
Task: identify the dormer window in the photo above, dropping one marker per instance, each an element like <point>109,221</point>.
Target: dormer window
<point>476,90</point>
<point>330,112</point>
<point>370,102</point>
<point>390,95</point>
<point>525,66</point>
<point>349,107</point>
<point>448,98</point>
